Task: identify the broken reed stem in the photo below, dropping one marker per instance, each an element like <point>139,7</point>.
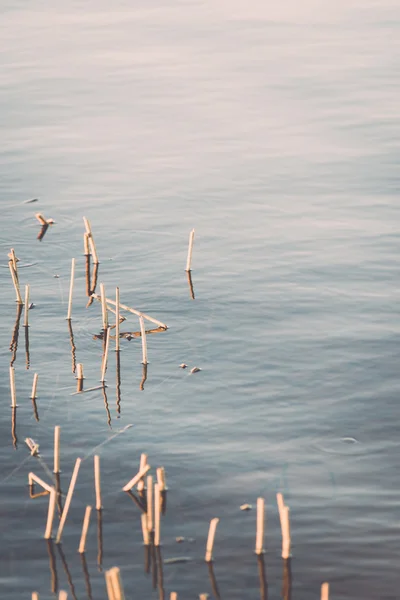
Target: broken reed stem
<point>34,386</point>
<point>79,377</point>
<point>63,595</point>
<point>71,290</point>
<point>35,596</point>
<point>149,498</point>
<point>173,596</point>
<point>50,514</point>
<point>260,525</point>
<point>137,478</point>
<point>144,342</point>
<point>143,463</point>
<point>26,307</point>
<point>325,591</point>
<point>190,250</point>
<point>115,589</point>
<point>68,500</point>
<point>145,531</point>
<point>85,527</point>
<point>285,525</point>
<point>157,514</point>
<point>14,278</point>
<point>91,241</point>
<point>12,388</point>
<point>210,540</point>
<point>97,481</point>
<point>133,311</point>
<point>57,449</point>
<point>105,355</point>
<point>103,306</point>
<point>161,479</point>
<point>117,319</point>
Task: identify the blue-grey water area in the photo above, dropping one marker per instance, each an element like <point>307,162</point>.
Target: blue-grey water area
<point>272,129</point>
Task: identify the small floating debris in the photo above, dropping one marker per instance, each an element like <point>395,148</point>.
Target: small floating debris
<point>31,305</point>
<point>180,539</point>
<point>177,559</point>
<point>43,221</point>
<point>30,201</point>
<point>183,366</point>
<point>56,276</point>
<point>195,370</point>
<point>348,440</point>
<point>246,507</point>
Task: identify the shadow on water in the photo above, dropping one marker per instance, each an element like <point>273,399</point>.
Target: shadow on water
<point>263,577</point>
<point>190,283</point>
<point>27,355</point>
<point>52,566</point>
<point>15,335</point>
<point>73,347</point>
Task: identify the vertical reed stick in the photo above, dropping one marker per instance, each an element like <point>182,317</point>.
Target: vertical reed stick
<point>117,319</point>
<point>260,525</point>
<point>63,595</point>
<point>150,502</point>
<point>26,307</point>
<point>143,463</point>
<point>50,514</point>
<point>173,596</point>
<point>210,539</point>
<point>34,386</point>
<point>68,499</point>
<point>14,278</point>
<point>105,357</point>
<point>190,250</point>
<point>56,449</point>
<point>145,530</point>
<point>144,343</point>
<point>157,514</point>
<point>325,591</point>
<point>97,481</point>
<point>116,584</point>
<point>104,307</point>
<point>285,525</point>
<point>79,377</point>
<point>161,479</point>
<point>85,527</point>
<point>12,387</point>
<point>35,596</point>
<point>71,290</point>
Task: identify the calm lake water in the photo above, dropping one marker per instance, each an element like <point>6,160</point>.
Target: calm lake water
<point>273,130</point>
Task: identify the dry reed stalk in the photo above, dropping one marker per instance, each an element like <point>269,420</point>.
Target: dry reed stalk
<point>143,463</point>
<point>144,342</point>
<point>85,527</point>
<point>14,278</point>
<point>91,241</point>
<point>114,584</point>
<point>157,514</point>
<point>12,388</point>
<point>173,596</point>
<point>34,386</point>
<point>145,530</point>
<point>210,540</point>
<point>57,449</point>
<point>68,500</point>
<point>26,307</point>
<point>190,251</point>
<point>260,525</point>
<point>325,591</point>
<point>35,596</point>
<point>117,319</point>
<point>71,290</point>
<point>149,498</point>
<point>52,502</point>
<point>133,311</point>
<point>32,478</point>
<point>103,306</point>
<point>285,525</point>
<point>105,356</point>
<point>63,595</point>
<point>137,478</point>
<point>79,377</point>
<point>86,251</point>
<point>203,596</point>
<point>97,484</point>
<point>161,479</point>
